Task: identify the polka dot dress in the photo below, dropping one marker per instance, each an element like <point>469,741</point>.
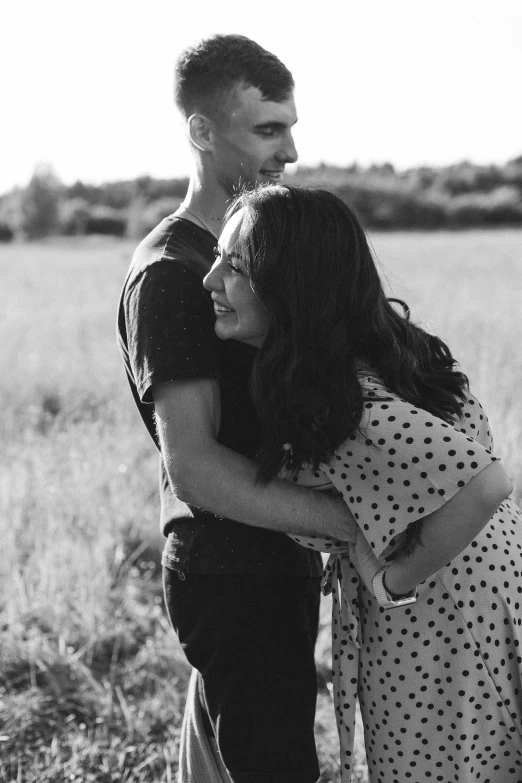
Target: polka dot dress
<point>439,682</point>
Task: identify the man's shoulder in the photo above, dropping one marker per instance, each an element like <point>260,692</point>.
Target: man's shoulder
<point>174,245</point>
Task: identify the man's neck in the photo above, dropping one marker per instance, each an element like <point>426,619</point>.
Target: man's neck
<point>207,201</point>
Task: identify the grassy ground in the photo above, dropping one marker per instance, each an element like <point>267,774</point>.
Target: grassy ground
<point>92,680</point>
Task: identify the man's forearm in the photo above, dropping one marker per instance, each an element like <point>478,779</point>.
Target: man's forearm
<point>224,482</point>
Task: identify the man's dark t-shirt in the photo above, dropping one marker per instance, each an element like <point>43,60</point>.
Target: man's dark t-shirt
<point>166,333</point>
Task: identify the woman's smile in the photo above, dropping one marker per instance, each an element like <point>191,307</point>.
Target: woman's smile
<point>221,309</point>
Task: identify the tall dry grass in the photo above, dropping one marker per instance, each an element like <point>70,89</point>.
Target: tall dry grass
<point>467,287</point>
<point>91,678</point>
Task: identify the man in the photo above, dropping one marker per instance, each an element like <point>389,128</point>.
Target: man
<point>243,600</point>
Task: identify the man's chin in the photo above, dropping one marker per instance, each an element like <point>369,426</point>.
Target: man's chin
<point>266,179</point>
<point>261,179</point>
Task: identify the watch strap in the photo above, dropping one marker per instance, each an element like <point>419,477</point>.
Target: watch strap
<point>384,598</point>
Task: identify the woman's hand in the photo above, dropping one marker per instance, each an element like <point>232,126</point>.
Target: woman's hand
<point>364,560</point>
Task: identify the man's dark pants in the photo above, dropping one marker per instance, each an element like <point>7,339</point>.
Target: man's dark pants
<point>252,638</point>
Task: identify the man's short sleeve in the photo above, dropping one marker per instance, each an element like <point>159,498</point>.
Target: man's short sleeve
<point>170,327</point>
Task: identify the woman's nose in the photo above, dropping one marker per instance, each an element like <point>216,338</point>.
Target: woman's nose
<point>213,281</point>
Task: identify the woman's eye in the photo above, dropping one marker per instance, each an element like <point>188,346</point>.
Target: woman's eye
<point>234,267</point>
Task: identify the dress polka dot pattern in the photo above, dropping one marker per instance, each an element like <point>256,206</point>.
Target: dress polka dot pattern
<point>439,682</point>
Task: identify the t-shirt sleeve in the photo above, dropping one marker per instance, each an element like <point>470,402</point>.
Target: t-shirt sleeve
<point>403,464</point>
<point>170,327</point>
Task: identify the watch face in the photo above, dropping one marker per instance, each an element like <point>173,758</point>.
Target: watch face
<point>410,599</point>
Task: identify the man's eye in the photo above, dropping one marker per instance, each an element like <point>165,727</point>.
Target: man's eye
<point>266,133</point>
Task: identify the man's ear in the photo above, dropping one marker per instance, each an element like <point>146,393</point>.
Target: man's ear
<point>200,131</point>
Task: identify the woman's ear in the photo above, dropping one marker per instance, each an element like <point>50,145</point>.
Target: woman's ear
<point>200,131</point>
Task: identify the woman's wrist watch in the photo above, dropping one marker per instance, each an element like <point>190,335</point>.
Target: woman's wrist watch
<point>387,599</point>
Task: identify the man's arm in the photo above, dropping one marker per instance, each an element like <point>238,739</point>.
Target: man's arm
<point>206,474</point>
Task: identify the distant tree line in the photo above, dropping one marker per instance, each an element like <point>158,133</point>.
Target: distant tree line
<point>463,195</point>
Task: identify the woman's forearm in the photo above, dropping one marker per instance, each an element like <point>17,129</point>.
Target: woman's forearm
<point>450,529</point>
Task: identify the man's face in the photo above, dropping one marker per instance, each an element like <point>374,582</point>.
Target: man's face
<point>255,142</point>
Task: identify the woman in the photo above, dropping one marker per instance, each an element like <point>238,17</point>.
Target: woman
<point>352,396</point>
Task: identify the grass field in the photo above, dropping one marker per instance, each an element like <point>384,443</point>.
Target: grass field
<point>92,680</point>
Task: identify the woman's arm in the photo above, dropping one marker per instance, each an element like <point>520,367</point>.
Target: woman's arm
<point>448,531</point>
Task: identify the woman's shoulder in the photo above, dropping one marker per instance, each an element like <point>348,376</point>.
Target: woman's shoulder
<point>474,421</point>
<point>377,396</point>
<point>373,387</point>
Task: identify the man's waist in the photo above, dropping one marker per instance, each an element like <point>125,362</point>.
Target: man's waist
<point>209,544</point>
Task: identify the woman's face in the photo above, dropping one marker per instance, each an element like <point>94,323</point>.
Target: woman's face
<point>239,313</point>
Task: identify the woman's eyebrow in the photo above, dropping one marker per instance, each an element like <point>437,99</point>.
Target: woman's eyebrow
<point>219,250</point>
<point>232,254</point>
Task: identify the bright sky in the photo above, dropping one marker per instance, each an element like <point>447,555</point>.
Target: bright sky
<point>88,86</point>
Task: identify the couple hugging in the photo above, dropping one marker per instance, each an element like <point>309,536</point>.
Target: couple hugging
<point>297,410</point>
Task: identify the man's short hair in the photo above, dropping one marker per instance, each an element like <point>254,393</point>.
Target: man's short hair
<point>207,72</point>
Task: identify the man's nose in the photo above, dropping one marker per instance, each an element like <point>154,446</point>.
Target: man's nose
<point>213,281</point>
<point>288,151</point>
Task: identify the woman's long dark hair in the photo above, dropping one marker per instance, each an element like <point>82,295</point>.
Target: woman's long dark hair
<point>311,266</point>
